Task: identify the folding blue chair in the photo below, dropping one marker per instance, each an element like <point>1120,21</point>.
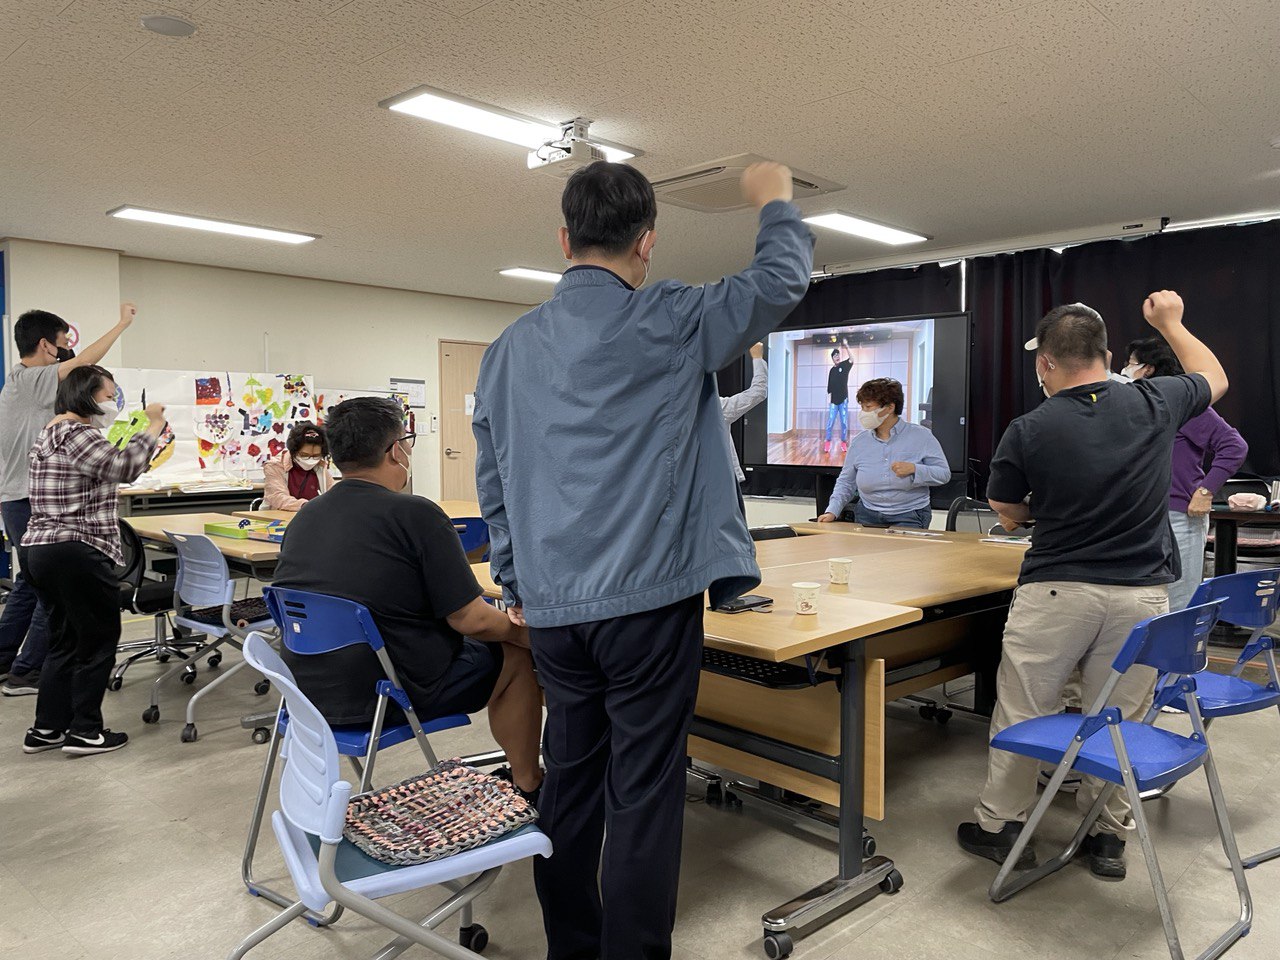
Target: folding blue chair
<point>205,586</point>
<point>1135,756</point>
<point>473,532</point>
<point>326,869</point>
<point>1248,600</point>
<point>312,623</point>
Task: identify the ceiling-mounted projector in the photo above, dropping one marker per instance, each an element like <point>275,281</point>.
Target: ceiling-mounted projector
<point>573,151</point>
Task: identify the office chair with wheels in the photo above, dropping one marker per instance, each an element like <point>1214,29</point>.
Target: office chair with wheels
<point>1133,756</point>
<point>310,624</point>
<point>147,598</point>
<point>326,868</point>
<point>205,588</point>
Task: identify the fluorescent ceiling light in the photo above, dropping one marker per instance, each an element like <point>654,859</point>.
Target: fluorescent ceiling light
<point>864,228</point>
<point>214,226</point>
<point>527,273</point>
<point>474,117</point>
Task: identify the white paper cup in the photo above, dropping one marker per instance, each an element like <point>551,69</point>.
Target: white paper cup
<point>840,568</point>
<point>806,597</point>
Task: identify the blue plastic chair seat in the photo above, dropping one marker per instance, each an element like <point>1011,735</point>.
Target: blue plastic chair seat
<point>353,741</point>
<point>1159,757</point>
<point>1224,696</point>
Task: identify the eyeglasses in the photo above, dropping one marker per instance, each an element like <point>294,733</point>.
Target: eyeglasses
<point>411,437</point>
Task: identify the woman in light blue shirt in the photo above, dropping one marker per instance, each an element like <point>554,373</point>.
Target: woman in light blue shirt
<point>891,464</point>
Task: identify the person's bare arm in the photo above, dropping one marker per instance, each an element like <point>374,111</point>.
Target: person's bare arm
<point>1163,310</point>
<point>1019,513</point>
<point>95,351</point>
<point>480,621</point>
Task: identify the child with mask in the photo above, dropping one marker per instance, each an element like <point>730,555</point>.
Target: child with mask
<point>301,472</point>
<point>891,464</point>
<point>72,548</point>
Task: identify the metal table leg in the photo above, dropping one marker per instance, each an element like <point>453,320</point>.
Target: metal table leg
<point>859,880</point>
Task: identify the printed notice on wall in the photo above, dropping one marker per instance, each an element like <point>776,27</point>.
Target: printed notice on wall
<point>415,389</point>
<point>469,402</point>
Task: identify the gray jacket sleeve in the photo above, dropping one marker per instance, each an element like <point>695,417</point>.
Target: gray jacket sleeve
<point>493,506</point>
<point>720,321</point>
<point>736,406</point>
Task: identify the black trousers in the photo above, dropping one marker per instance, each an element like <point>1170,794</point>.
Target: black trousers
<point>78,586</point>
<point>620,695</point>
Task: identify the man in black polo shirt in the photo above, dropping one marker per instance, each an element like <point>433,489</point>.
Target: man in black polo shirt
<point>1095,458</point>
<point>838,398</point>
<point>399,555</point>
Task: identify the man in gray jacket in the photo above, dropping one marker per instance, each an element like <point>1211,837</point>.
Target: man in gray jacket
<point>603,468</point>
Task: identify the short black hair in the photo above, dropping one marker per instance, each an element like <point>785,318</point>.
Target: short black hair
<point>362,429</point>
<point>75,392</point>
<point>884,391</point>
<point>1073,335</point>
<point>1156,353</point>
<point>302,433</point>
<point>34,326</point>
<point>607,206</point>
<point>835,353</point>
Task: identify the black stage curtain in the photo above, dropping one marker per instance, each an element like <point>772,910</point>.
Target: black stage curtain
<point>1229,278</point>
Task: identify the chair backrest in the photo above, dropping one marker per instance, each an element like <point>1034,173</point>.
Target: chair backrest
<point>774,531</point>
<point>1242,485</point>
<point>203,578</point>
<point>135,558</point>
<point>256,505</point>
<point>472,531</point>
<point>1176,643</point>
<point>1249,599</point>
<point>308,780</point>
<point>974,516</point>
<point>314,623</point>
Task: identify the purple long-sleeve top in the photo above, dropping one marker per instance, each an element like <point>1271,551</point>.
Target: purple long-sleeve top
<point>1206,434</point>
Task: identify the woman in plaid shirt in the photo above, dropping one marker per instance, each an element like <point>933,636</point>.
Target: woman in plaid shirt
<point>73,547</point>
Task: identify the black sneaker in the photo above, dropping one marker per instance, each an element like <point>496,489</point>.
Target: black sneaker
<point>995,846</point>
<point>38,741</point>
<point>21,685</point>
<point>530,796</point>
<point>85,745</point>
<point>1106,855</point>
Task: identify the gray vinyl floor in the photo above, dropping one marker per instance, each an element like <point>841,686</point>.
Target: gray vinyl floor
<point>136,854</point>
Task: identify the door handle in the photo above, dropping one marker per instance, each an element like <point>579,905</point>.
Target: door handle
<point>451,453</point>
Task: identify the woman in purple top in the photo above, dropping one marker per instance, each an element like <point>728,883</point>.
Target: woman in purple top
<point>1206,437</point>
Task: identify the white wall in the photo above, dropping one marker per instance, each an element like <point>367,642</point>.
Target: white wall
<point>345,335</point>
<point>79,284</point>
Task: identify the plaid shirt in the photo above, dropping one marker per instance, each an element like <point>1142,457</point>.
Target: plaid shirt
<point>75,479</point>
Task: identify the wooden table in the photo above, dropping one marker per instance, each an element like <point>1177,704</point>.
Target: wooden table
<point>456,509</point>
<point>910,604</point>
<point>1227,534</point>
<point>256,557</point>
<point>134,502</point>
<point>284,516</point>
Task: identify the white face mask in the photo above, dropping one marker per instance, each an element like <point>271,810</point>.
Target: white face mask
<point>105,416</point>
<point>307,463</point>
<point>407,466</point>
<point>870,419</point>
<point>1131,371</point>
<point>646,263</point>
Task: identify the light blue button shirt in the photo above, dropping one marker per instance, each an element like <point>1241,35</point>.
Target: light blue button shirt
<point>868,470</point>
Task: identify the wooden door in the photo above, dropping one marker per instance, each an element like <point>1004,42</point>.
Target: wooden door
<point>459,369</point>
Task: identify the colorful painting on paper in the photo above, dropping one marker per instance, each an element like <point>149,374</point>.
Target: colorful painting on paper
<point>224,424</point>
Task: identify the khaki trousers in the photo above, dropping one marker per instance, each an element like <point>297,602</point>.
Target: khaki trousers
<point>1053,629</point>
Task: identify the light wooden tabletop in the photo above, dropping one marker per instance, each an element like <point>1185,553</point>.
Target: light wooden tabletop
<point>253,487</point>
<point>285,515</point>
<point>152,527</point>
<point>457,509</point>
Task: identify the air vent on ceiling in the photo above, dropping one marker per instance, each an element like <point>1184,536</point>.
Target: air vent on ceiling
<point>713,187</point>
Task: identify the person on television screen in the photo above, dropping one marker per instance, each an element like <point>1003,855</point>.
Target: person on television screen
<point>838,398</point>
<point>737,406</point>
<point>891,464</point>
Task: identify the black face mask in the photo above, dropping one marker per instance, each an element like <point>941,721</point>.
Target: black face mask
<point>65,353</point>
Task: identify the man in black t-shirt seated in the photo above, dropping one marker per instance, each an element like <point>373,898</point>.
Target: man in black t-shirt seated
<point>399,556</point>
<point>1097,455</point>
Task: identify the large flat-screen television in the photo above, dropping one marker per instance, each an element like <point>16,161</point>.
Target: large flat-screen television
<point>799,426</point>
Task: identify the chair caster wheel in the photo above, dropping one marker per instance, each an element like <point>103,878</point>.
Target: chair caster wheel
<point>943,717</point>
<point>778,945</point>
<point>261,687</point>
<point>732,800</point>
<point>162,657</point>
<point>116,683</point>
<point>215,661</point>
<point>189,734</point>
<point>891,883</point>
<point>715,795</point>
<point>261,735</point>
<point>151,715</point>
<point>868,847</point>
<point>928,713</point>
<point>474,937</point>
<point>189,675</point>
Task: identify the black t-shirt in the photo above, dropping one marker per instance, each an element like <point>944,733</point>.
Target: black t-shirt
<point>1096,461</point>
<point>838,381</point>
<point>399,556</point>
